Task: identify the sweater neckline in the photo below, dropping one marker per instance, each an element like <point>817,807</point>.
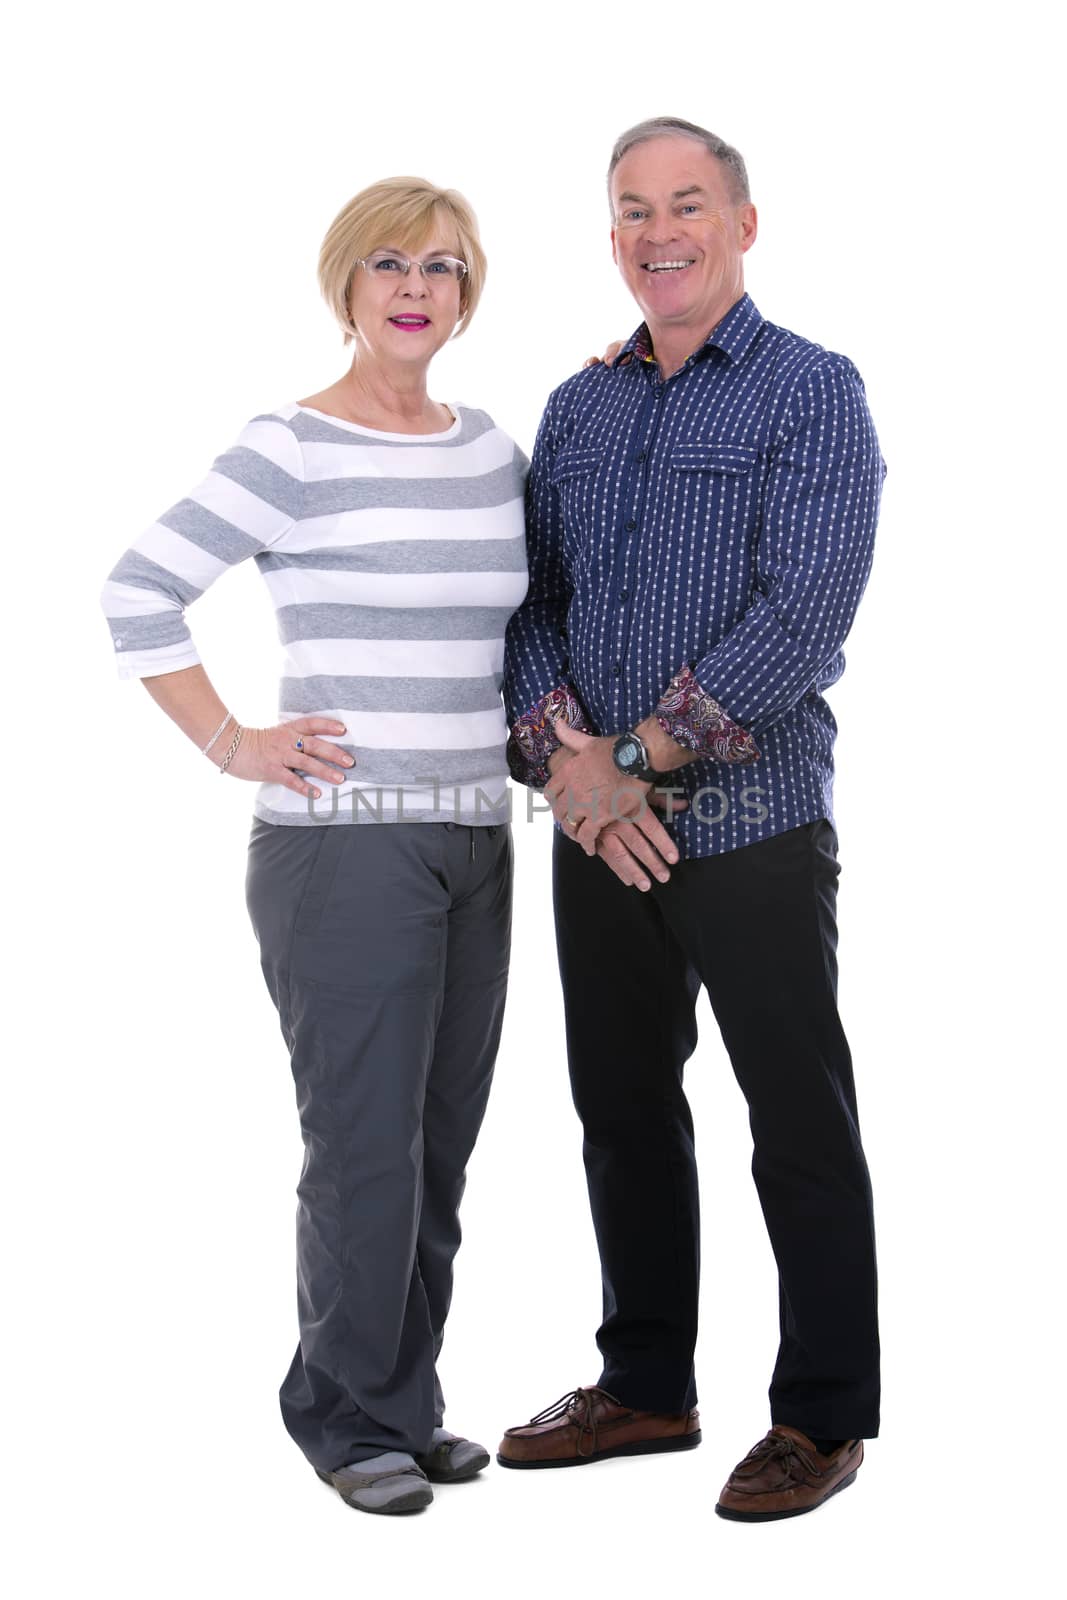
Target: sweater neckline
<point>380,433</point>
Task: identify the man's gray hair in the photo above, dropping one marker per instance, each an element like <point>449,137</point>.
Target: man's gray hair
<point>657,127</point>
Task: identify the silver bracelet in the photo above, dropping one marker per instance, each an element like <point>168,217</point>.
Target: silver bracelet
<point>232,751</point>
<point>228,717</point>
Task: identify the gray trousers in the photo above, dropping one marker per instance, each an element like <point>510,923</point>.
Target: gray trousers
<point>385,949</point>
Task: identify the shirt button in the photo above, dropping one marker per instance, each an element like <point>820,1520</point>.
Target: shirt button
<point>118,644</point>
<point>642,455</point>
<point>616,669</point>
<point>624,594</point>
<point>630,526</point>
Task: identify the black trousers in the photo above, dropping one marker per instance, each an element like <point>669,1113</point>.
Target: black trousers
<point>757,928</point>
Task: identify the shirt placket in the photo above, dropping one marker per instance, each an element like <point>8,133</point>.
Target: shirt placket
<point>634,502</point>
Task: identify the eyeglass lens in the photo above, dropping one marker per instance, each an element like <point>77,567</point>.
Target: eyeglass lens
<point>385,262</point>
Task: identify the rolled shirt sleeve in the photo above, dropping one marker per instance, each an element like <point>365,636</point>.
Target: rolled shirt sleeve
<point>533,738</point>
<point>697,722</point>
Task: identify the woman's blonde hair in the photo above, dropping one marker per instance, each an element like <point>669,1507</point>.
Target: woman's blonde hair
<point>400,213</point>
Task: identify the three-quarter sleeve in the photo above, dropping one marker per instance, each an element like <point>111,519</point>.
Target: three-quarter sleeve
<point>246,504</point>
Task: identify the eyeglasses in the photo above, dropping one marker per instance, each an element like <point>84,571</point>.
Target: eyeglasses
<point>438,269</point>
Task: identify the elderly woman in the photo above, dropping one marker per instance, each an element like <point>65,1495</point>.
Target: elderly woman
<point>388,528</point>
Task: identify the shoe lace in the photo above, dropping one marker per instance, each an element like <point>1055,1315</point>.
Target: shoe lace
<point>795,1461</point>
<point>577,1407</point>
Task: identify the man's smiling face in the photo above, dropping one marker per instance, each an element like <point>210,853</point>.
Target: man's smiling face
<point>680,234</point>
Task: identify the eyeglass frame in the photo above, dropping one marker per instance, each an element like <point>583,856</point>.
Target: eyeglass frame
<point>405,272</point>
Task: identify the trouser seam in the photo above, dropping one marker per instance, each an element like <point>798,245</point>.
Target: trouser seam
<point>673,1156</point>
<point>813,886</point>
<point>291,941</point>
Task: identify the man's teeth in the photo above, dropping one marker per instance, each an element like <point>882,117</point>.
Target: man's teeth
<point>666,266</point>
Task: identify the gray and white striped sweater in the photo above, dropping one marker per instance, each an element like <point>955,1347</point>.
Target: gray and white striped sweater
<point>394,562</point>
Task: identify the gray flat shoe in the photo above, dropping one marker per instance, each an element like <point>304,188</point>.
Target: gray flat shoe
<point>452,1459</point>
<point>394,1483</point>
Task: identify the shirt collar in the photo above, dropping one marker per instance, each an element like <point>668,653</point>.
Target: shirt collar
<point>733,336</point>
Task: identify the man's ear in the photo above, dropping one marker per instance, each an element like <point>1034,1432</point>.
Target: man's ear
<point>614,252</point>
<point>747,225</point>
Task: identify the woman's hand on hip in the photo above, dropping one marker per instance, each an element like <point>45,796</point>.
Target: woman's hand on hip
<point>271,755</point>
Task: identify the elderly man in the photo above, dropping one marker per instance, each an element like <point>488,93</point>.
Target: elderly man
<point>701,515</point>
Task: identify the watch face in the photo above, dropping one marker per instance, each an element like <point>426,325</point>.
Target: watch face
<point>628,753</point>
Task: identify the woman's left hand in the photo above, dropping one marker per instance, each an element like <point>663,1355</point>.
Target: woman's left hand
<point>273,755</point>
<point>606,359</point>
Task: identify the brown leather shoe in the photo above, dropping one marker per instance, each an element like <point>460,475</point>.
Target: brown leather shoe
<point>590,1425</point>
<point>784,1475</point>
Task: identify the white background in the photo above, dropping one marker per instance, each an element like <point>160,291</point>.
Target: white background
<point>174,170</point>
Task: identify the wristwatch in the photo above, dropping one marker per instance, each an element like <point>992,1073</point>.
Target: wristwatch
<point>630,755</point>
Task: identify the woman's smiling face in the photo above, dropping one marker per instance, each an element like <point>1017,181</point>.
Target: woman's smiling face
<point>401,316</point>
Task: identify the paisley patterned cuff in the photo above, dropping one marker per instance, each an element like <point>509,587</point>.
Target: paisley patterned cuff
<point>533,740</point>
<point>699,723</point>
